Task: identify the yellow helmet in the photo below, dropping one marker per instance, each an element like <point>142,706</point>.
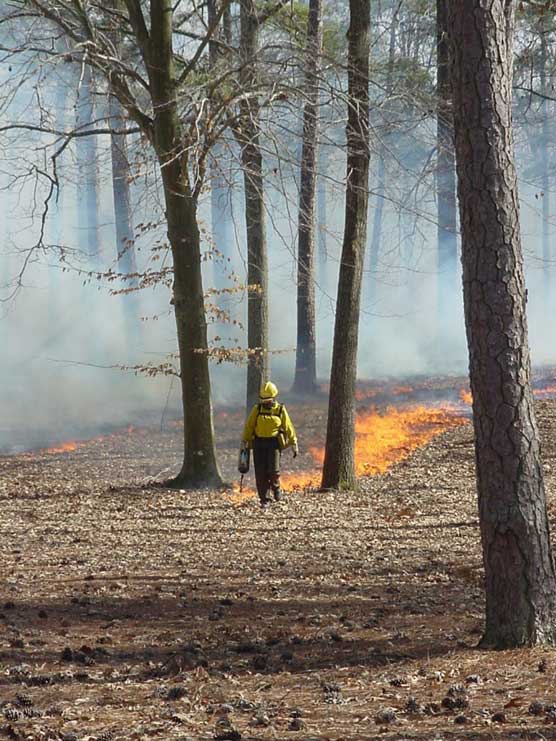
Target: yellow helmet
<point>268,391</point>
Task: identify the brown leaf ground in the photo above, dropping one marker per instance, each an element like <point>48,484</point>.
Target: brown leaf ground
<point>150,613</point>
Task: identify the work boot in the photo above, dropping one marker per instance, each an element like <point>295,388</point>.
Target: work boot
<point>277,493</point>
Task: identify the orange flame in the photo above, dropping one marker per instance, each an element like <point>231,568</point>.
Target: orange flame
<point>545,392</point>
<point>238,497</point>
<point>364,394</point>
<point>399,390</point>
<point>65,447</point>
<point>466,396</point>
<point>381,440</point>
<point>68,446</point>
<point>385,439</point>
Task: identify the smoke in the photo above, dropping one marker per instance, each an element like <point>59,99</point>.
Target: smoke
<point>64,335</point>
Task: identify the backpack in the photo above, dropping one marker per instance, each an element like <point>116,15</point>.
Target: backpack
<point>267,427</point>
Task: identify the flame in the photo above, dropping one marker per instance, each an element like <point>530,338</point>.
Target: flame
<point>238,497</point>
<point>466,396</point>
<point>381,440</point>
<point>303,480</point>
<point>399,390</point>
<point>68,446</point>
<point>65,447</point>
<point>545,392</point>
<point>364,394</point>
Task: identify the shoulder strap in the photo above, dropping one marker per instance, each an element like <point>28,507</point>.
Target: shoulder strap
<point>277,413</point>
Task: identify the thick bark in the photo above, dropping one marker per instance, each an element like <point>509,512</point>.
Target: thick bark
<point>339,464</point>
<point>305,381</point>
<point>125,245</point>
<point>199,466</point>
<point>251,161</point>
<point>448,271</point>
<point>86,151</point>
<point>519,569</point>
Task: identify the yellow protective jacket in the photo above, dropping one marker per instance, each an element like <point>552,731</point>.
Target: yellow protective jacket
<point>270,421</point>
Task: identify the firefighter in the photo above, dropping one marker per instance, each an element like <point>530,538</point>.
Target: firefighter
<point>268,431</point>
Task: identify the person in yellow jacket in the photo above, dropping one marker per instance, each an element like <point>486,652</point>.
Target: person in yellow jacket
<point>269,430</point>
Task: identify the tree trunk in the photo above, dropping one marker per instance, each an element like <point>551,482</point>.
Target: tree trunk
<point>251,160</point>
<point>545,184</point>
<point>376,234</point>
<point>448,271</point>
<point>381,167</point>
<point>199,466</point>
<point>322,218</point>
<point>86,150</point>
<point>125,245</point>
<point>305,381</point>
<point>519,569</point>
<point>339,465</point>
<point>222,227</point>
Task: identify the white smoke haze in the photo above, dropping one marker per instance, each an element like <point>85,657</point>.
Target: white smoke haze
<point>60,338</point>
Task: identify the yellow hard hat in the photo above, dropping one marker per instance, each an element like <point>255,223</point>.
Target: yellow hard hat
<point>268,390</point>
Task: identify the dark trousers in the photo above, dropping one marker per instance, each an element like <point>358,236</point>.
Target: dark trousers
<point>266,457</point>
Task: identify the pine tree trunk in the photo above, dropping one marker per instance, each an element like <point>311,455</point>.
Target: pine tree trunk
<point>251,160</point>
<point>199,466</point>
<point>519,569</point>
<point>120,186</point>
<point>339,464</point>
<point>86,150</point>
<point>448,272</point>
<point>305,381</point>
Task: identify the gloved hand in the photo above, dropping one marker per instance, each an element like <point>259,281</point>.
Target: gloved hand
<point>295,451</point>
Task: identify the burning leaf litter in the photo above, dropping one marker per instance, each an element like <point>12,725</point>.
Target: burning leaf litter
<point>383,438</point>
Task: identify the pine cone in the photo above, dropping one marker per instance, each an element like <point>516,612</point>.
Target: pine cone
<point>105,736</point>
<point>176,693</point>
<point>41,680</point>
<point>536,708</point>
<point>33,713</point>
<point>12,714</point>
<point>23,700</point>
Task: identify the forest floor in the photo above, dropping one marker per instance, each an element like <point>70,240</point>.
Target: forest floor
<point>129,611</point>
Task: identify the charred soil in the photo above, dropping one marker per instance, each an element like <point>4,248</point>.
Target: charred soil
<point>130,611</point>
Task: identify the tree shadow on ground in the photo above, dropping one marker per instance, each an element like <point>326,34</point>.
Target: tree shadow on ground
<point>163,634</point>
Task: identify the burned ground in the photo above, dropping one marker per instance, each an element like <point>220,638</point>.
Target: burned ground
<point>133,612</point>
